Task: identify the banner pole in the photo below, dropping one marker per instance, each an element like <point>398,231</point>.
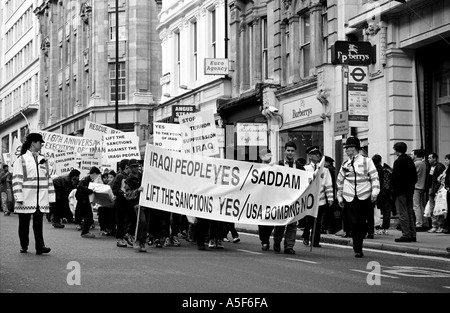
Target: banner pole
<point>137,227</point>
<point>312,234</point>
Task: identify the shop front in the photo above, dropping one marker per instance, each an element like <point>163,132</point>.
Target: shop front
<point>302,120</point>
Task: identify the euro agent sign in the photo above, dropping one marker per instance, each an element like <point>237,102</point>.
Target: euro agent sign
<point>351,53</point>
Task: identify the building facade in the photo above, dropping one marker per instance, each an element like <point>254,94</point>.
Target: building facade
<point>192,32</point>
<point>78,65</point>
<point>409,85</point>
<point>19,71</point>
<point>280,50</point>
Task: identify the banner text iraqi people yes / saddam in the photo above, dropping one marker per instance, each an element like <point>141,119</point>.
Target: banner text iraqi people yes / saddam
<point>227,190</point>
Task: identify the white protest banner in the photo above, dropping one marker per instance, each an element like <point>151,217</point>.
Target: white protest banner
<point>65,162</point>
<point>198,131</point>
<point>86,164</point>
<point>6,158</point>
<point>15,153</point>
<point>121,146</point>
<point>63,143</point>
<point>251,134</point>
<point>167,136</point>
<point>228,190</point>
<point>96,131</point>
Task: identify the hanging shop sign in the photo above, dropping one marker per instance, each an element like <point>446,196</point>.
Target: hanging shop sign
<point>178,110</point>
<point>351,53</point>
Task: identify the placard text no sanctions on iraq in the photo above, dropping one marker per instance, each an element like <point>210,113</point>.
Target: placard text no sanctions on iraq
<point>227,190</point>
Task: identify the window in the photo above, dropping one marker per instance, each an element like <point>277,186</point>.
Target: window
<point>288,52</point>
<point>194,50</point>
<point>325,37</point>
<point>265,49</point>
<point>305,44</point>
<point>177,50</point>
<point>213,33</point>
<point>5,144</point>
<point>122,81</point>
<point>112,26</point>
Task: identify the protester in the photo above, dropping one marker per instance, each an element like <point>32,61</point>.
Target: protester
<point>265,231</point>
<point>325,197</point>
<point>358,187</point>
<point>384,201</point>
<point>444,179</point>
<point>327,225</point>
<point>289,231</point>
<point>84,202</point>
<point>132,192</point>
<point>437,168</point>
<point>404,178</point>
<point>63,187</point>
<point>418,156</point>
<point>230,228</point>
<point>33,192</point>
<point>106,210</point>
<point>131,217</point>
<point>120,206</point>
<point>6,190</point>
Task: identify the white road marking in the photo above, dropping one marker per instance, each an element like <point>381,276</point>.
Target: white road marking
<point>300,260</point>
<point>448,287</point>
<point>248,251</point>
<point>372,273</point>
<point>417,256</point>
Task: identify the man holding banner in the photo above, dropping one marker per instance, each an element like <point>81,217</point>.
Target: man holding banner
<point>289,231</point>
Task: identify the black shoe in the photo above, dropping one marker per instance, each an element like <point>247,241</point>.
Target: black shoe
<point>265,247</point>
<point>306,242</point>
<point>403,239</point>
<point>359,255</point>
<point>23,250</point>
<point>289,251</point>
<point>370,236</point>
<point>43,250</point>
<point>276,247</point>
<point>58,225</point>
<point>158,243</point>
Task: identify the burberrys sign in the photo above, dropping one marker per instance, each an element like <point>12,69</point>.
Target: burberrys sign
<point>351,53</point>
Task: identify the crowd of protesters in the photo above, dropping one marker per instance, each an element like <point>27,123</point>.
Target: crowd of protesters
<point>362,186</point>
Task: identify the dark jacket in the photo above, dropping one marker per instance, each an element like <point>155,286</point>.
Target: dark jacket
<point>435,184</point>
<point>404,176</point>
<point>63,187</point>
<point>298,165</point>
<point>83,191</point>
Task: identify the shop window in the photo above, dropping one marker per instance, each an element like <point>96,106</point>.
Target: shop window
<point>443,85</point>
<point>303,137</point>
<point>244,141</point>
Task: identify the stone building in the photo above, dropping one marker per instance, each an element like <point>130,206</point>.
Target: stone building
<point>19,71</point>
<point>409,85</point>
<point>78,65</point>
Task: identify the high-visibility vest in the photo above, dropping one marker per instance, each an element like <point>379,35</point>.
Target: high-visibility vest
<point>32,184</point>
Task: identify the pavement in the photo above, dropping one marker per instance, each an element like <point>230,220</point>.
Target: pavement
<point>428,244</point>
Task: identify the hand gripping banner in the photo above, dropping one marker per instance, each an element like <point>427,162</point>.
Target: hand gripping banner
<point>228,190</point>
